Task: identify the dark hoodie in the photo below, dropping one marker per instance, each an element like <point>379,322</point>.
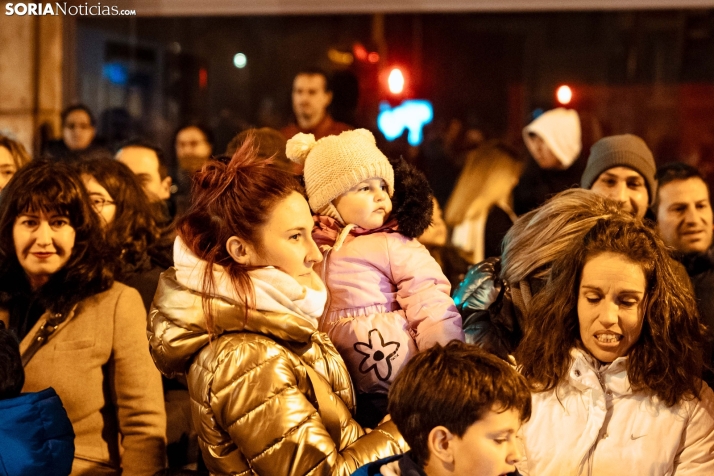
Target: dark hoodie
<point>700,268</point>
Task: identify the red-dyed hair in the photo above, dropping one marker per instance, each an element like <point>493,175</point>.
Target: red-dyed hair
<point>232,196</point>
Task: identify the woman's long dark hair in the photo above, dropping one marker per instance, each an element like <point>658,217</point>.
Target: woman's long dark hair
<point>133,231</point>
<point>53,187</point>
<point>666,360</point>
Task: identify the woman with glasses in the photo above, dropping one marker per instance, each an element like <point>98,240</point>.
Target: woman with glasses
<point>81,333</point>
<point>130,230</point>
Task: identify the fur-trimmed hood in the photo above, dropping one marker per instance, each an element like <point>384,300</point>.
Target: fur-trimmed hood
<point>412,205</point>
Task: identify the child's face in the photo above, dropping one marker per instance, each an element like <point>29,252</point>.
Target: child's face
<point>366,205</point>
<point>489,447</point>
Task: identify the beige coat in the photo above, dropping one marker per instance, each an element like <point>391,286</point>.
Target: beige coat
<point>253,403</point>
<point>98,362</point>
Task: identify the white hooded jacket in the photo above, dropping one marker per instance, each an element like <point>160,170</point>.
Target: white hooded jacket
<point>597,426</point>
<point>560,130</point>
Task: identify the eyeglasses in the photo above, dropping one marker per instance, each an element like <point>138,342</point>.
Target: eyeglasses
<point>99,202</point>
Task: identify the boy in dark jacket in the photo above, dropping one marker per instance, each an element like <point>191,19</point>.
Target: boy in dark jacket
<point>36,436</point>
<point>459,408</point>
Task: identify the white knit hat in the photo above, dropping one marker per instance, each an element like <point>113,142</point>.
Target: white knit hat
<point>560,130</point>
<point>335,164</point>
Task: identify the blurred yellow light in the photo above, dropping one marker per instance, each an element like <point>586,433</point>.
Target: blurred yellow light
<point>564,94</point>
<point>340,57</point>
<point>396,81</point>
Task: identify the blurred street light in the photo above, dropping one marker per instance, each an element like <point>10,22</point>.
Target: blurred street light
<point>564,94</point>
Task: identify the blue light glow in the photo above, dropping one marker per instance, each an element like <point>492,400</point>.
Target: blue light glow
<point>412,114</point>
<point>116,73</point>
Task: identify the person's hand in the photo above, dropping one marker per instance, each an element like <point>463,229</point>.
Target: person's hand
<point>390,469</point>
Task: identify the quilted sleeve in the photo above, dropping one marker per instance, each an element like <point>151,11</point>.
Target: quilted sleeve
<point>263,401</point>
<point>423,293</point>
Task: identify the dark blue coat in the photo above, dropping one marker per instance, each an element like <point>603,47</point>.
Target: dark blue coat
<point>36,436</point>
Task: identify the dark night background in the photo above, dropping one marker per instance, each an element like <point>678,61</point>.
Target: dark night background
<point>650,73</point>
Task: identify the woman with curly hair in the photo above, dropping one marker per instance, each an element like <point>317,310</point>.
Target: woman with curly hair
<point>496,294</point>
<point>81,333</point>
<point>612,352</point>
<point>130,229</point>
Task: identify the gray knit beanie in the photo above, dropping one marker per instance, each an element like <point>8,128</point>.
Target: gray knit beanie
<point>625,150</point>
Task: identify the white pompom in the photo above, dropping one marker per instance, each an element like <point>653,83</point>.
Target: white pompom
<point>299,147</point>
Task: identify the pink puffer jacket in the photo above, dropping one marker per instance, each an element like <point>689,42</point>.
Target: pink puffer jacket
<point>388,299</point>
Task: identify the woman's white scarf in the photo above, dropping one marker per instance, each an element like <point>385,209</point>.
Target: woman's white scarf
<point>275,291</point>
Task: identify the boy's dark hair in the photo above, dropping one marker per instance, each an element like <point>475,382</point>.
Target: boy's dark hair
<point>12,375</point>
<point>453,386</point>
<point>671,172</point>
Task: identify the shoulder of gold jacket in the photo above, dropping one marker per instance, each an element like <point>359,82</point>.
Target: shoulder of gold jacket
<point>258,410</point>
<point>177,332</point>
<point>254,371</point>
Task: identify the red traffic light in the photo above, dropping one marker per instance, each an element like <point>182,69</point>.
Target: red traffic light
<point>396,81</point>
<point>564,94</point>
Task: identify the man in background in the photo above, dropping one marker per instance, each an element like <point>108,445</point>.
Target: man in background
<point>622,168</point>
<point>312,96</point>
<point>147,162</point>
<point>193,144</point>
<point>684,221</point>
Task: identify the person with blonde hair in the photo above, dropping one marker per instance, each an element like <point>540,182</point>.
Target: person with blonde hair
<point>13,157</point>
<point>496,293</point>
<point>479,209</point>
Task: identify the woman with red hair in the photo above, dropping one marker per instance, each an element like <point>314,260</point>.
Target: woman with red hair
<point>238,315</point>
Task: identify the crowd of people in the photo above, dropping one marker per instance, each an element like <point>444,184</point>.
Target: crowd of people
<point>298,305</point>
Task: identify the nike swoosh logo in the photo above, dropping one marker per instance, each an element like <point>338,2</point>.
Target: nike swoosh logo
<point>637,437</point>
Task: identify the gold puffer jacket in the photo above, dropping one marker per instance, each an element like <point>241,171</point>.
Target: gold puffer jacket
<point>253,404</point>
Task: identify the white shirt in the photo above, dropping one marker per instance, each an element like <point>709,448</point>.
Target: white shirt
<point>599,427</point>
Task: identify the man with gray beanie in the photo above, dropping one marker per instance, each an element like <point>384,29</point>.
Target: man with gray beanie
<point>622,168</point>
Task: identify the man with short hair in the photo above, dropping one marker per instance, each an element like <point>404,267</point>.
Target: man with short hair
<point>682,209</point>
<point>684,221</point>
<point>622,168</point>
<point>311,97</point>
<point>147,162</point>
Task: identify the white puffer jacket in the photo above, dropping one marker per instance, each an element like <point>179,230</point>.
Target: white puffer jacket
<point>600,427</point>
